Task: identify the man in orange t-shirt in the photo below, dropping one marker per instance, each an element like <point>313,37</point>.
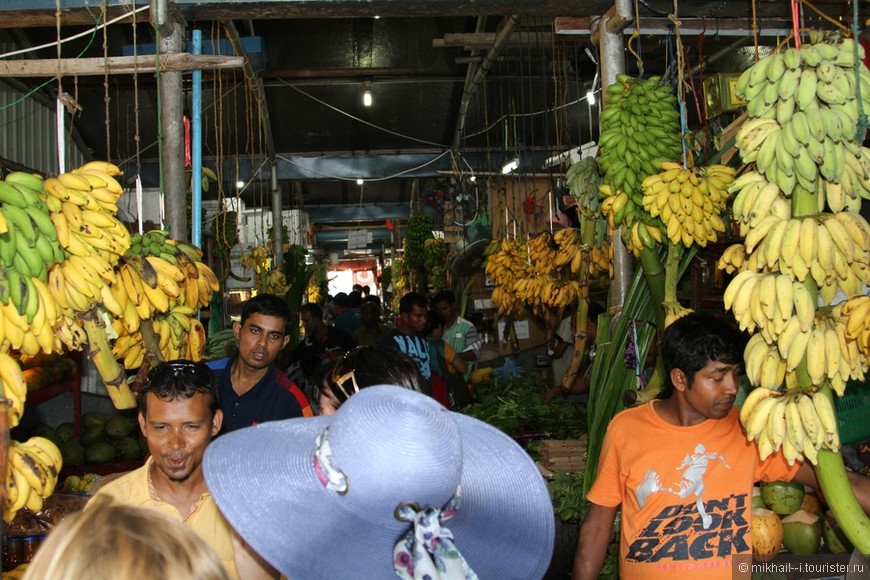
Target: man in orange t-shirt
<point>681,468</point>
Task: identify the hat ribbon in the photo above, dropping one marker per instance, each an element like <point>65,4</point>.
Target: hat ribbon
<point>428,551</point>
<point>324,466</point>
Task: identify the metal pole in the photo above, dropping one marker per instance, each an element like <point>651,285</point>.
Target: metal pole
<point>277,221</point>
<point>196,139</point>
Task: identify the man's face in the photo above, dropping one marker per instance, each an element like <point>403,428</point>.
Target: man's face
<point>310,323</point>
<point>370,315</point>
<point>261,338</point>
<point>713,390</point>
<point>414,322</point>
<point>178,432</point>
<point>446,310</point>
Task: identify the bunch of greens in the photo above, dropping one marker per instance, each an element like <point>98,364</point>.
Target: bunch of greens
<point>516,406</point>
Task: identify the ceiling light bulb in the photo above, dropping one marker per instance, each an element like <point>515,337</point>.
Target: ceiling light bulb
<point>510,166</point>
<point>367,95</point>
<point>590,97</point>
<point>359,181</point>
<point>472,179</point>
<point>240,184</point>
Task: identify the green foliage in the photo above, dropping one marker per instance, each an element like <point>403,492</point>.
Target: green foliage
<point>516,407</point>
<point>566,491</point>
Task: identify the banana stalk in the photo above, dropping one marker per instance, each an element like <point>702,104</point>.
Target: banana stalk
<point>655,281</point>
<point>110,370</point>
<point>831,473</point>
<point>672,271</point>
<point>152,344</point>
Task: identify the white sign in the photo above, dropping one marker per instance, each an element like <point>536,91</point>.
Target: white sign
<point>521,327</point>
<point>358,239</point>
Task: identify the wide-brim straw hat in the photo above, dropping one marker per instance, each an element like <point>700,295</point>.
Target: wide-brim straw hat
<point>389,447</point>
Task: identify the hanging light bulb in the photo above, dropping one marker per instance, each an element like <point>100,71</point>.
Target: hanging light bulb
<point>359,181</point>
<point>510,166</point>
<point>590,97</point>
<point>367,95</point>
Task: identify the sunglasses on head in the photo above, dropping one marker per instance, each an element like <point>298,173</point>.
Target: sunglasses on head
<point>194,374</point>
<point>342,374</point>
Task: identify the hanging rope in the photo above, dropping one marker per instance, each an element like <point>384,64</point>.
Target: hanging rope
<point>680,67</point>
<point>106,99</point>
<point>636,35</point>
<point>755,30</point>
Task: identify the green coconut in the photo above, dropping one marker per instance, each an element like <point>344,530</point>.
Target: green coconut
<point>835,539</point>
<point>757,502</point>
<point>802,533</point>
<point>783,497</point>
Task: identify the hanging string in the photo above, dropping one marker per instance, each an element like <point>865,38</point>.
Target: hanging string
<point>636,35</point>
<point>680,65</point>
<point>755,30</point>
<point>106,98</point>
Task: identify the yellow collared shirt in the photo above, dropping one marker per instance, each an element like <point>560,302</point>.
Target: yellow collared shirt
<point>137,489</point>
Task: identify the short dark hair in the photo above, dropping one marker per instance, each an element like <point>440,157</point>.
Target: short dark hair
<point>313,309</point>
<point>694,340</point>
<point>444,296</point>
<point>267,305</point>
<point>410,300</point>
<point>367,366</point>
<point>341,300</point>
<point>178,379</point>
<point>355,299</point>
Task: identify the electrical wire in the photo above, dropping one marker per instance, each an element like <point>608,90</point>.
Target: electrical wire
<point>74,37</point>
<point>544,112</point>
<point>363,121</point>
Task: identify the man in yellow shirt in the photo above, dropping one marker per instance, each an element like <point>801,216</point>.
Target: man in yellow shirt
<point>179,415</point>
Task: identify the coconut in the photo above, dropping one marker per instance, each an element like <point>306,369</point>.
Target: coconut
<point>766,533</point>
<point>783,497</point>
<point>811,502</point>
<point>757,502</point>
<point>835,539</point>
<point>802,533</point>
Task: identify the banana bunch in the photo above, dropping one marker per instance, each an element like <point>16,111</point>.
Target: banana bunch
<point>798,422</point>
<point>507,261</point>
<point>435,251</point>
<point>180,335</point>
<point>805,118</point>
<point>14,388</point>
<point>28,239</point>
<point>28,249</point>
<point>639,130</point>
<point>570,252</point>
<point>220,344</point>
<point>688,201</point>
<point>32,469</point>
<point>83,206</point>
<point>853,331</point>
<point>583,181</point>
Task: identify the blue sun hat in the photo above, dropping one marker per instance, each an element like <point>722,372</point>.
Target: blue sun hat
<point>391,485</point>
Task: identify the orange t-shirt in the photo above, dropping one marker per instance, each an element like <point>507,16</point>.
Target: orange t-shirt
<point>686,492</point>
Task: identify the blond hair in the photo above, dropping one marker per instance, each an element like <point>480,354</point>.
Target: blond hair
<point>110,540</point>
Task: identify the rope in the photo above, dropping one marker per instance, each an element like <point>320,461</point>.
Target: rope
<point>863,122</point>
<point>106,98</point>
<point>755,29</point>
<point>680,66</point>
<point>636,34</point>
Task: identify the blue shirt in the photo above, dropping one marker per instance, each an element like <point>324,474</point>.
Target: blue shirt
<point>273,398</point>
<point>416,347</point>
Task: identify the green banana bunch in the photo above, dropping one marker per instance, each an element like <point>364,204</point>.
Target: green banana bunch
<point>804,118</point>
<point>639,129</point>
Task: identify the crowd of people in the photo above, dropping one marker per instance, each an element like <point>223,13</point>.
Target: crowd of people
<point>249,478</point>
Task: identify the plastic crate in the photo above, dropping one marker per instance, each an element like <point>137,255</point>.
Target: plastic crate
<point>853,411</point>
